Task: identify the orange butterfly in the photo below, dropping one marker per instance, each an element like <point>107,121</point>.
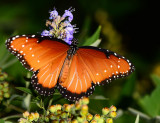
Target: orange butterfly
<point>74,71</point>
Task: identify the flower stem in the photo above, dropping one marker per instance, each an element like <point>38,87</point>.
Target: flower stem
<point>141,115</point>
<point>14,107</point>
<point>12,116</point>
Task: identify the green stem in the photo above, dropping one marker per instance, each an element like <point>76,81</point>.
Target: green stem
<point>12,116</point>
<point>14,107</point>
<point>141,115</point>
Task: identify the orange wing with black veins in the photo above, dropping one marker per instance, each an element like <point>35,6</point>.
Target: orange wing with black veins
<point>91,66</point>
<point>42,55</point>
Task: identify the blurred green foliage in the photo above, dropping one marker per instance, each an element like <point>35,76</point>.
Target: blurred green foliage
<point>121,26</point>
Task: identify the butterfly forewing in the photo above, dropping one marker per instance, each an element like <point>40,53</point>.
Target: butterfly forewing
<point>104,65</point>
<point>43,55</point>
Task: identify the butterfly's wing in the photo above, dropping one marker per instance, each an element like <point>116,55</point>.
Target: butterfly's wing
<point>42,55</point>
<point>91,66</point>
<point>74,80</point>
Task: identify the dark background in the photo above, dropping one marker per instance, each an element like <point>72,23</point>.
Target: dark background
<point>132,31</point>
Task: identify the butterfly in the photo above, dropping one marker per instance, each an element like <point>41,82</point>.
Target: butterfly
<point>74,71</point>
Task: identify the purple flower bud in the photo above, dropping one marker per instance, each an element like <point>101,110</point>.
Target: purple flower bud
<point>45,33</point>
<point>53,14</point>
<point>68,13</point>
<point>70,29</point>
<point>68,38</point>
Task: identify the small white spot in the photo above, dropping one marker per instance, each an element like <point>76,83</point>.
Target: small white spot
<point>26,37</point>
<point>115,54</point>
<point>32,55</point>
<point>23,45</point>
<point>12,46</point>
<point>38,61</point>
<point>17,36</point>
<point>105,71</point>
<point>116,72</point>
<point>111,66</point>
<point>118,66</point>
<point>33,36</point>
<point>129,64</point>
<point>97,74</point>
<point>13,38</point>
<point>23,35</point>
<point>118,60</point>
<point>26,40</point>
<point>30,48</point>
<point>21,51</point>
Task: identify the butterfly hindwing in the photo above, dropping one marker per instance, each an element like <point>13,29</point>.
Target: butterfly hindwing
<point>75,82</point>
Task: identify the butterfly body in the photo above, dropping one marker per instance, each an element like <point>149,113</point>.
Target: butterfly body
<point>74,71</point>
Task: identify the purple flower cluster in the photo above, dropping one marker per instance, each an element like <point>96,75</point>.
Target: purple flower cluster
<point>60,26</point>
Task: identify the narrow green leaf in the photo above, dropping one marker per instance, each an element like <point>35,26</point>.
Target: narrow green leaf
<point>26,101</point>
<point>96,43</point>
<point>98,97</point>
<point>26,90</point>
<point>93,38</point>
<point>137,119</point>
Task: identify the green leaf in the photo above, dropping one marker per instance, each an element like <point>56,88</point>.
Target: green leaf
<point>96,43</point>
<point>26,90</point>
<point>26,101</point>
<point>151,103</point>
<point>93,38</point>
<point>1,121</point>
<point>155,79</point>
<point>129,85</point>
<point>137,119</point>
